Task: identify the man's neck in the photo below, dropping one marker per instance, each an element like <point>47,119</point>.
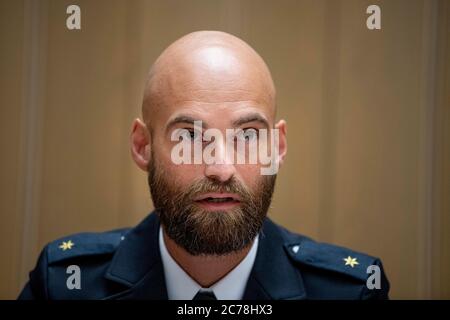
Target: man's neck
<point>205,270</point>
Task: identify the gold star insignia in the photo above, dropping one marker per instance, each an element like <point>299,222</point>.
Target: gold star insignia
<point>349,261</point>
<point>66,245</point>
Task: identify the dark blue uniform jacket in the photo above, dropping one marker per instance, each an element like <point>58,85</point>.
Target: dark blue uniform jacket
<point>126,264</point>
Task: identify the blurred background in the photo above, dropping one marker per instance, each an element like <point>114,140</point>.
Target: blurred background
<point>368,115</point>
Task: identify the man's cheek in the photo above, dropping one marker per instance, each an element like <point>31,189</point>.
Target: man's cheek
<point>249,174</point>
<point>184,173</point>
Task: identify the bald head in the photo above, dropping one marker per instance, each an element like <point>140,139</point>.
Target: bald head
<point>208,67</point>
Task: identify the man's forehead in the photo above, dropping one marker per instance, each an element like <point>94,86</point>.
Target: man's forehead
<point>215,96</point>
<point>198,96</point>
<point>229,117</point>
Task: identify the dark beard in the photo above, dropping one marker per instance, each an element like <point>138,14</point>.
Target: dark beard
<point>202,232</point>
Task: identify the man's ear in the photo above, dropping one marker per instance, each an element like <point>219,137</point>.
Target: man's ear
<point>282,142</point>
<point>140,144</point>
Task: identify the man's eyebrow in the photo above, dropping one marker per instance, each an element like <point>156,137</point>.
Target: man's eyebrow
<point>183,119</point>
<point>253,117</point>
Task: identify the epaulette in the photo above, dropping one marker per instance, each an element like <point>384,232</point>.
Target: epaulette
<point>332,258</point>
<point>84,244</point>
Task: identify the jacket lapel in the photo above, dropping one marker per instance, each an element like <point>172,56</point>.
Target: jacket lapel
<point>273,275</point>
<point>137,263</point>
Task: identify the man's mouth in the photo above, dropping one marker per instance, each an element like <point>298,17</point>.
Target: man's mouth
<point>218,201</point>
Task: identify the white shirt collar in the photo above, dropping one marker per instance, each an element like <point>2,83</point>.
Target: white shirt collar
<point>180,286</point>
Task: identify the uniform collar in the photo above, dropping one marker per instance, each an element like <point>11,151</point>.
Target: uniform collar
<point>180,286</point>
<point>138,266</point>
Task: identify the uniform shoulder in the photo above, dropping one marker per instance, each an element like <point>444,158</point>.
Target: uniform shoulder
<point>328,257</point>
<point>84,244</point>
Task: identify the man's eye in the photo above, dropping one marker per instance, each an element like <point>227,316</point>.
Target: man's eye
<point>191,135</point>
<point>247,135</point>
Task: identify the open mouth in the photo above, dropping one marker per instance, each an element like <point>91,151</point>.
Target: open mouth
<point>218,200</point>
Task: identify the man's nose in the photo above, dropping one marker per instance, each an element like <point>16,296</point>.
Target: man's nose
<point>220,172</point>
<point>223,168</point>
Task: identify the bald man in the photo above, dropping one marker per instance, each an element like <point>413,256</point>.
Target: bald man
<point>208,122</point>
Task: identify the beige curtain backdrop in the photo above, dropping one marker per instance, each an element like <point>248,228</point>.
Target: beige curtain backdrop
<point>367,111</point>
